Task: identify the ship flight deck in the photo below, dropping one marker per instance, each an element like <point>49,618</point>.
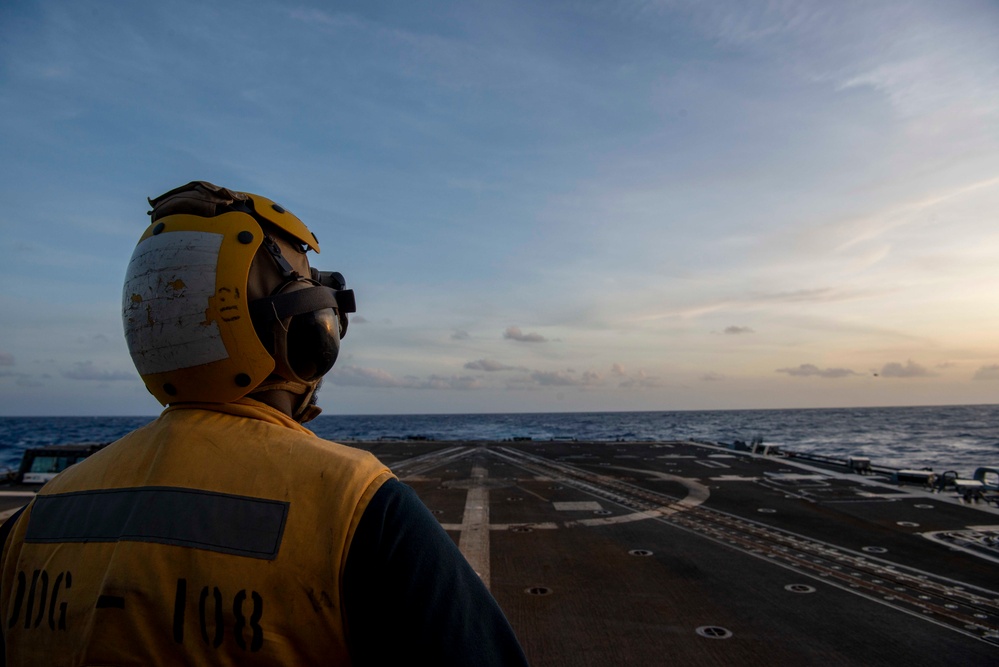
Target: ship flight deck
<point>688,553</point>
<point>683,553</point>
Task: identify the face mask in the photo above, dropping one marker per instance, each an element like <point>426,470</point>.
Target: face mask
<point>302,321</point>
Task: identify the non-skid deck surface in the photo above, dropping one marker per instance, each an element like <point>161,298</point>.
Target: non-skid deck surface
<point>685,554</point>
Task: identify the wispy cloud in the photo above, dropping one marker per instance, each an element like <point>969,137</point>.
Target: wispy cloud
<point>640,380</point>
<point>514,333</point>
<point>6,359</point>
<point>553,379</point>
<point>869,227</point>
<point>736,330</point>
<point>445,382</point>
<point>21,379</point>
<point>471,185</point>
<point>357,376</point>
<point>811,370</point>
<point>749,302</point>
<point>743,24</point>
<point>910,370</point>
<point>85,370</point>
<point>919,83</point>
<point>987,373</point>
<point>566,379</point>
<point>634,379</point>
<point>318,17</point>
<point>491,366</point>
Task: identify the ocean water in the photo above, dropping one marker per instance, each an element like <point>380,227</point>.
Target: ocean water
<point>957,438</point>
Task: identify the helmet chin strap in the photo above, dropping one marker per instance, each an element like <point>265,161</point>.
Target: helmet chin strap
<point>305,409</point>
<point>297,388</point>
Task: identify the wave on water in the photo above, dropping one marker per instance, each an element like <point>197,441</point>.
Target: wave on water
<point>943,438</point>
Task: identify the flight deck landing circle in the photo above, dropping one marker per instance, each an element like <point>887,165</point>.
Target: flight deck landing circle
<point>714,632</point>
<point>799,588</point>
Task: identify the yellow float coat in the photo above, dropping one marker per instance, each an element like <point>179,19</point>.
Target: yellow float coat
<point>217,534</point>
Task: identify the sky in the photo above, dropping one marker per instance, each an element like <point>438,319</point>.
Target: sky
<point>541,206</point>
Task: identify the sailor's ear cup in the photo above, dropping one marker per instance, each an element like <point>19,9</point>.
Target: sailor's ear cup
<point>313,343</point>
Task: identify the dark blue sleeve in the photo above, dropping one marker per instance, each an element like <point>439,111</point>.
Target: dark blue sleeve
<point>410,597</point>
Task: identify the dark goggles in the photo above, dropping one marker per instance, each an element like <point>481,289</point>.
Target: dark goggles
<point>267,310</point>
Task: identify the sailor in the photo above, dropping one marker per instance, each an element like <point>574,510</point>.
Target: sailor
<point>225,532</point>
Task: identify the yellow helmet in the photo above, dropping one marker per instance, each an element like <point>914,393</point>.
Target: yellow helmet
<point>219,299</point>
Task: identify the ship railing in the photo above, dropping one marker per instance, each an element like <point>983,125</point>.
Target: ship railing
<point>851,463</point>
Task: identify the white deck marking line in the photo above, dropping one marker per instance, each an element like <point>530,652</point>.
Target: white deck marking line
<point>577,506</point>
<point>474,540</point>
<point>536,495</point>
<point>544,525</point>
<point>697,493</point>
<point>418,465</point>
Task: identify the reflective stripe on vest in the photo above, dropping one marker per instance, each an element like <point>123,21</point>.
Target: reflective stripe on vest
<point>186,517</point>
